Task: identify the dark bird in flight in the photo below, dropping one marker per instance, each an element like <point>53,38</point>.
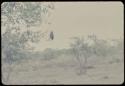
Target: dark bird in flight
<point>51,35</point>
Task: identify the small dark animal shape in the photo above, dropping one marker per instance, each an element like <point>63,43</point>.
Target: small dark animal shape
<point>51,35</point>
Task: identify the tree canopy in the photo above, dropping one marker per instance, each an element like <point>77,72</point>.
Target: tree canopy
<point>15,16</point>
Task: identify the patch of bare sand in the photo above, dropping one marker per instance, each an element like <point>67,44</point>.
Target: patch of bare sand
<point>64,71</point>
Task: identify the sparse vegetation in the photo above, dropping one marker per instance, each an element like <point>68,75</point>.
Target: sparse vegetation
<point>81,57</point>
<point>99,48</point>
<point>80,51</point>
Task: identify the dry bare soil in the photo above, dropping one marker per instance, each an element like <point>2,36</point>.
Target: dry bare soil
<point>64,70</point>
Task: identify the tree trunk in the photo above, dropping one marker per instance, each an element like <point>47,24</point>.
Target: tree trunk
<point>9,73</point>
<point>7,78</point>
<point>85,65</point>
<point>9,68</point>
<point>82,59</point>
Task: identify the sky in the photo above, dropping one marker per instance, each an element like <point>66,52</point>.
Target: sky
<point>76,19</point>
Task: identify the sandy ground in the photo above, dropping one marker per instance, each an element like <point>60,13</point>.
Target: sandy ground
<point>65,70</point>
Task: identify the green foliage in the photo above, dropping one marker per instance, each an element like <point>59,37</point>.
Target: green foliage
<point>80,46</point>
<point>26,13</point>
<point>99,48</point>
<point>14,16</point>
<point>48,54</point>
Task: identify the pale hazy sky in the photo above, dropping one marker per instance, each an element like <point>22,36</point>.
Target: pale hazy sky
<point>105,19</point>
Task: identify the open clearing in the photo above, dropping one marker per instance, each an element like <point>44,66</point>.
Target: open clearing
<point>64,70</point>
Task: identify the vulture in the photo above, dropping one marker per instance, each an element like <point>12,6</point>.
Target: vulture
<point>51,35</point>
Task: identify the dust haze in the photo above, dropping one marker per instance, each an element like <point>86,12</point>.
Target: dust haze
<point>87,48</point>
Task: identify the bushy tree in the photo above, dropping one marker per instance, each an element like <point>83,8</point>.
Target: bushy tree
<point>14,16</point>
<point>99,48</point>
<point>82,51</point>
